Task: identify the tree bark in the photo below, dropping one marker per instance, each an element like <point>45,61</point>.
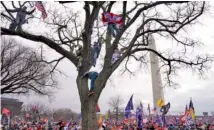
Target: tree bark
<point>88,105</point>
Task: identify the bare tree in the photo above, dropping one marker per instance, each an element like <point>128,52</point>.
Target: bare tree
<point>167,19</point>
<point>115,103</point>
<point>64,113</point>
<point>36,110</point>
<point>22,70</point>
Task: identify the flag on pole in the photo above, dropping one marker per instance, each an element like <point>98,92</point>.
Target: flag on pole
<point>160,102</point>
<point>69,125</point>
<point>40,7</point>
<point>191,109</point>
<point>107,114</point>
<point>6,111</point>
<point>129,107</point>
<point>139,116</point>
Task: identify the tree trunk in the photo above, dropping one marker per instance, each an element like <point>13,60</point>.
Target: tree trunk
<point>88,105</point>
<point>89,117</point>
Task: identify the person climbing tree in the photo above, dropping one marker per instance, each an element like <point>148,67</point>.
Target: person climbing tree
<point>113,21</point>
<point>79,56</point>
<point>116,55</point>
<point>92,76</point>
<point>20,18</point>
<point>96,51</point>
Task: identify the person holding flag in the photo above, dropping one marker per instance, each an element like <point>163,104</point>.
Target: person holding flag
<point>113,21</point>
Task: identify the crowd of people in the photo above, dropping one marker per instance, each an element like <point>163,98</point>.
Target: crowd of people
<point>149,123</point>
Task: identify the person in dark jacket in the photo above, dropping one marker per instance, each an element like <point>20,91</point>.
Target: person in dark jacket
<point>20,18</point>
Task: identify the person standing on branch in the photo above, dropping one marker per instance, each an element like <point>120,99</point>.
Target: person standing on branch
<point>116,55</point>
<point>79,56</point>
<point>20,18</point>
<point>113,21</point>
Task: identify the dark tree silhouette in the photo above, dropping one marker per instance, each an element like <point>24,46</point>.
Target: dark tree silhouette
<point>115,103</point>
<point>22,70</point>
<point>141,20</point>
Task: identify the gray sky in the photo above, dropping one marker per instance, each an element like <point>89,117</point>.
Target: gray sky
<point>201,90</point>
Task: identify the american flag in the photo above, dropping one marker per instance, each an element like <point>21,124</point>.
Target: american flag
<point>40,7</point>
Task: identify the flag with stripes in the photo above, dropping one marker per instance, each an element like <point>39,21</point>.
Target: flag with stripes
<point>40,7</point>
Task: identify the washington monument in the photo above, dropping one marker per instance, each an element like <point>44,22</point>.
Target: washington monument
<point>157,86</point>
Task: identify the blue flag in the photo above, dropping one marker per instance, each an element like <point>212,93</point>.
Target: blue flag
<point>69,125</point>
<point>129,107</point>
<point>139,116</point>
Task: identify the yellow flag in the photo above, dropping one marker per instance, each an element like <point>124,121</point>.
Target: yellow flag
<point>160,102</point>
<point>192,113</point>
<point>106,117</point>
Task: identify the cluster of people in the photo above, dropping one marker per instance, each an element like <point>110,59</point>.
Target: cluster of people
<point>39,125</point>
<point>202,123</point>
<point>156,126</point>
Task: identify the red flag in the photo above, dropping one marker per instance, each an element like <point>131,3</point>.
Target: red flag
<point>108,17</point>
<point>6,111</point>
<point>97,108</point>
<point>40,7</point>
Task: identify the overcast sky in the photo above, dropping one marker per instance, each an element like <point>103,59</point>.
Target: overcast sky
<point>190,85</point>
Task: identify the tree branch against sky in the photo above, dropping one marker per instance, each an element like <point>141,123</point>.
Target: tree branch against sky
<point>23,71</point>
<point>67,29</point>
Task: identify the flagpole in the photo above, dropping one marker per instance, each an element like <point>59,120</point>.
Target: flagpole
<point>8,122</point>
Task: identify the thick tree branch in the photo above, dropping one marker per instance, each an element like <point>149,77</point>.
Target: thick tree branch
<point>39,38</point>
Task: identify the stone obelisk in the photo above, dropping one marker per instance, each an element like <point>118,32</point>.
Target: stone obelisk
<point>157,86</point>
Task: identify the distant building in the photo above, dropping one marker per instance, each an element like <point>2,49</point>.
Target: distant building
<point>14,105</point>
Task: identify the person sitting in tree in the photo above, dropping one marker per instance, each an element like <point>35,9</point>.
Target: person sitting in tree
<point>92,75</point>
<point>79,56</point>
<point>20,17</point>
<point>116,56</point>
